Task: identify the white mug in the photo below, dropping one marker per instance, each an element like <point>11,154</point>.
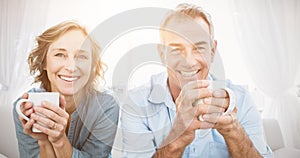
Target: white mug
<point>217,85</point>
<point>213,86</point>
<point>36,99</point>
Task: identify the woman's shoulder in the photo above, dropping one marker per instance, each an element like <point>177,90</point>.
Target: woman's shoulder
<point>105,99</point>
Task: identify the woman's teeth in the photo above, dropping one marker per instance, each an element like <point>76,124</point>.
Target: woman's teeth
<point>69,79</point>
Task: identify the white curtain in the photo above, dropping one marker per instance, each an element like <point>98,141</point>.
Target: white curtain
<point>269,37</point>
<point>20,22</point>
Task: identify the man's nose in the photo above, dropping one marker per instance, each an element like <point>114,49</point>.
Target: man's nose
<point>190,58</point>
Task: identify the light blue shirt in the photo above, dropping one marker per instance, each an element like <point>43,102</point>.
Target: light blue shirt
<point>149,112</point>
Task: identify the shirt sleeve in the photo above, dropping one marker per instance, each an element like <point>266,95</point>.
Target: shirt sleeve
<point>137,139</point>
<point>251,121</point>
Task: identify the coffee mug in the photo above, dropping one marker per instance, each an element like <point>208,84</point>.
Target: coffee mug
<point>213,85</point>
<point>217,85</point>
<point>36,99</point>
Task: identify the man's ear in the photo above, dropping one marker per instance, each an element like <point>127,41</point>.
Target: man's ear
<point>213,50</point>
<point>160,49</point>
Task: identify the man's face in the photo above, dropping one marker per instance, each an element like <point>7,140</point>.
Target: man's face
<point>187,51</point>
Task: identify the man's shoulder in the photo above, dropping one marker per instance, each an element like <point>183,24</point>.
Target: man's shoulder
<point>142,93</point>
<point>240,90</point>
<point>244,100</point>
<point>139,95</point>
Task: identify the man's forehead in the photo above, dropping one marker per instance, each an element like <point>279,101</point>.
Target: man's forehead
<point>183,23</point>
<point>185,38</point>
<point>193,30</point>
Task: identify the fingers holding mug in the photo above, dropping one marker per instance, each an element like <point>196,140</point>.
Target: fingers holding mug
<point>24,107</point>
<point>45,123</point>
<point>27,126</point>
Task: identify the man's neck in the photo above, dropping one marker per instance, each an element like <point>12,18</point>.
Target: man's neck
<point>174,90</point>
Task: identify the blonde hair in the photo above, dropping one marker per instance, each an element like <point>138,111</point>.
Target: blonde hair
<point>37,57</point>
<point>190,10</point>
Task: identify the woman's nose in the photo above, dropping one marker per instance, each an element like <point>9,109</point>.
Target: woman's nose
<point>70,64</point>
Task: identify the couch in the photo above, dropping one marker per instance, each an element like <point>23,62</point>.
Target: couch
<point>274,138</point>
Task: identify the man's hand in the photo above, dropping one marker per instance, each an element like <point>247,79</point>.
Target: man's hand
<point>224,123</point>
<point>186,121</point>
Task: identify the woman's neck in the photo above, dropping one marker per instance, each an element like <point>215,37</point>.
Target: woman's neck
<point>70,104</point>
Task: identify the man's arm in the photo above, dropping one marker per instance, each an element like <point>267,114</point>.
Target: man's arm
<point>186,121</point>
<point>237,141</point>
<point>169,151</point>
<point>175,143</point>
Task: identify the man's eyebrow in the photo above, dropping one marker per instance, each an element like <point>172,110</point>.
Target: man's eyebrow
<point>195,44</point>
<point>175,44</point>
<point>200,43</point>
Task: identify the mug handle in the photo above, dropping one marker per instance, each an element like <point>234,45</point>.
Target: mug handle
<point>18,108</point>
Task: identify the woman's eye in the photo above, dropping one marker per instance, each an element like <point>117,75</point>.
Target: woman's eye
<point>82,57</point>
<point>59,55</point>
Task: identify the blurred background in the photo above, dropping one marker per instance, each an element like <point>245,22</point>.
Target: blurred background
<point>258,48</point>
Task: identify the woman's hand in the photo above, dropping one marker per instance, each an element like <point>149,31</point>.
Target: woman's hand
<point>27,110</point>
<point>56,120</point>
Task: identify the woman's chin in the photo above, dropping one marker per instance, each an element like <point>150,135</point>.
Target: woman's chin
<point>68,92</point>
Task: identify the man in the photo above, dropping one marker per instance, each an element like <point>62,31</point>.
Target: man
<point>178,114</point>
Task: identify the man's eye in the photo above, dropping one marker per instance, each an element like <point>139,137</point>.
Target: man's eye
<point>199,50</point>
<point>176,51</point>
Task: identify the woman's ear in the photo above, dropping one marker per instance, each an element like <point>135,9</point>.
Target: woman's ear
<point>213,50</point>
<point>43,66</point>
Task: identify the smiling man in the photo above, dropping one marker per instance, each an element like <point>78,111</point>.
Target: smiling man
<point>178,114</point>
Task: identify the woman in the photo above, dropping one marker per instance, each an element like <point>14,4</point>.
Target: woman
<point>66,60</point>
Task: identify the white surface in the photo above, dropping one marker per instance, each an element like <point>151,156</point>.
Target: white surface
<point>2,156</point>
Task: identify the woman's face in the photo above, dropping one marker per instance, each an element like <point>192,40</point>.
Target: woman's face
<point>68,63</point>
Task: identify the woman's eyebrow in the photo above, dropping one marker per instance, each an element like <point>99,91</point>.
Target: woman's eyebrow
<point>57,49</point>
<point>82,51</point>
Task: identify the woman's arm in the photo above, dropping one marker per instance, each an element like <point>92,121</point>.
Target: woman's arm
<point>28,141</point>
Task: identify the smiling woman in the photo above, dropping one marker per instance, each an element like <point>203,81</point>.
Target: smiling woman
<point>68,66</point>
<point>66,60</point>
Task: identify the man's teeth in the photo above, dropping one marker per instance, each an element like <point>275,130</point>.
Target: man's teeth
<point>188,73</point>
<point>70,79</point>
